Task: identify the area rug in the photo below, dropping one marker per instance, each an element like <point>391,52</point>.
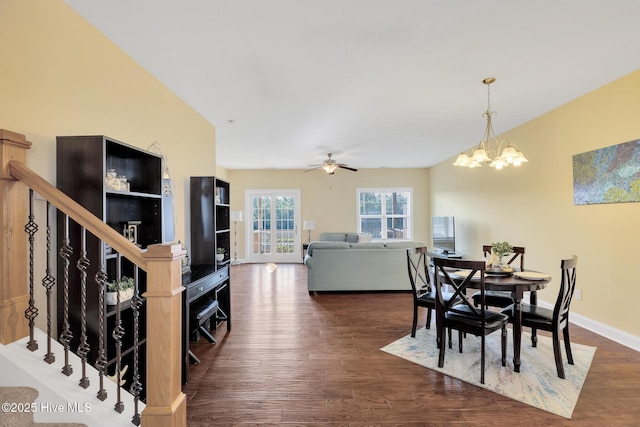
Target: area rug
<point>537,384</point>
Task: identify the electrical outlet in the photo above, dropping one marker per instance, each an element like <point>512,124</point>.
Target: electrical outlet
<point>578,294</point>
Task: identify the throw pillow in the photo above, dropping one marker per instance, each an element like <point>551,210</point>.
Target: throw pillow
<point>364,238</point>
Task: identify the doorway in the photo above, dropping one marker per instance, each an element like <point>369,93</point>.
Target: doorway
<point>272,226</point>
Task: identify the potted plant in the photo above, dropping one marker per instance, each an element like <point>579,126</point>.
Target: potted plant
<point>220,254</point>
<point>125,285</point>
<point>500,249</point>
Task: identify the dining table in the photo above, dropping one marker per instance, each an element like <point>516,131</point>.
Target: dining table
<point>517,283</point>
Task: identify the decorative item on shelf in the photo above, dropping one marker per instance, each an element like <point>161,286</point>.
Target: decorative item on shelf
<point>490,150</point>
<point>308,225</point>
<point>130,231</point>
<point>220,195</point>
<point>125,285</point>
<point>220,254</point>
<point>498,251</point>
<point>116,182</point>
<point>236,217</point>
<point>111,179</point>
<point>185,261</point>
<point>123,183</point>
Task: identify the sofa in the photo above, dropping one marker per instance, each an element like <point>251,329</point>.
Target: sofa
<point>348,262</point>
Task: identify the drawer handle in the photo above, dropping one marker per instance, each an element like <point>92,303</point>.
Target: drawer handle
<point>200,288</point>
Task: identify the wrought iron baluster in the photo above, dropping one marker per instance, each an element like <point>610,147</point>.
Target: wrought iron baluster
<point>31,312</point>
<point>101,363</point>
<point>118,334</point>
<point>83,348</point>
<point>49,282</point>
<point>65,337</point>
<point>136,386</point>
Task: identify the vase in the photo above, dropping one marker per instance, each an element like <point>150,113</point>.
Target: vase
<point>499,264</point>
<point>219,257</point>
<point>111,298</point>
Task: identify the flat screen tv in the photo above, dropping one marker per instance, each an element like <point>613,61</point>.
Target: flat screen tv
<point>444,234</point>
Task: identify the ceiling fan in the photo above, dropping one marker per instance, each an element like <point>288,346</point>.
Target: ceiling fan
<point>330,166</point>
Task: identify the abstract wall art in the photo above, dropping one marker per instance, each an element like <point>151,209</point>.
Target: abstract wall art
<point>607,175</point>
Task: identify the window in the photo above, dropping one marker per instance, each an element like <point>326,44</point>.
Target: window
<point>385,213</point>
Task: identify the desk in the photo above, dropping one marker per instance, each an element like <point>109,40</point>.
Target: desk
<point>517,287</point>
<point>204,281</point>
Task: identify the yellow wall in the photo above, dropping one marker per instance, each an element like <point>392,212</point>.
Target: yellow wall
<point>532,206</point>
<point>60,76</point>
<point>330,200</point>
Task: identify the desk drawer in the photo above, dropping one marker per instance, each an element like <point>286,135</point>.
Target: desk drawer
<point>202,286</point>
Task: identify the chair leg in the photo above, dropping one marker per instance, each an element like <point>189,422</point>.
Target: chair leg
<point>415,321</point>
<point>450,343</point>
<point>428,325</point>
<point>534,338</point>
<point>504,345</point>
<point>207,335</point>
<point>442,349</point>
<point>482,361</point>
<point>557,354</point>
<point>460,341</point>
<point>567,344</point>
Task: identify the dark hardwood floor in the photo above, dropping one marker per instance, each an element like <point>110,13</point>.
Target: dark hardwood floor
<point>299,360</point>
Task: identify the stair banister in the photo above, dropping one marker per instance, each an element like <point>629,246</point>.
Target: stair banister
<point>166,404</point>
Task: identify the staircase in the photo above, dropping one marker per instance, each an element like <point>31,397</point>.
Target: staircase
<point>27,368</point>
<point>58,399</point>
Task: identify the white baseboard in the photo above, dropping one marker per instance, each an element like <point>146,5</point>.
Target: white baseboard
<point>606,331</point>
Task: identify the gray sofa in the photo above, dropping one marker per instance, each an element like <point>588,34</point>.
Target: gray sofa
<point>345,262</point>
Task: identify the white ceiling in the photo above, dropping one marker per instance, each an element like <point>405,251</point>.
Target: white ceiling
<point>379,83</point>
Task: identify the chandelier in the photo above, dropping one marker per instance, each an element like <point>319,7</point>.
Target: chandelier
<point>498,154</point>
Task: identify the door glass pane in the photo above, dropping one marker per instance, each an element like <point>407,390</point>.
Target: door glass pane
<point>261,220</point>
<point>285,224</point>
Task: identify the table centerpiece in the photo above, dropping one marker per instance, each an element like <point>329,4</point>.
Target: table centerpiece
<point>498,264</point>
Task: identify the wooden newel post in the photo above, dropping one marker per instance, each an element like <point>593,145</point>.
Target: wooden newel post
<point>166,404</point>
<point>14,203</point>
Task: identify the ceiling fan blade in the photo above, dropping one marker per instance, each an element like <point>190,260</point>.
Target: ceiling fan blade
<point>343,166</point>
<point>312,169</point>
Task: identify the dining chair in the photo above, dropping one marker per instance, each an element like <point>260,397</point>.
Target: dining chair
<point>500,298</point>
<point>461,314</point>
<point>554,320</point>
<point>424,294</point>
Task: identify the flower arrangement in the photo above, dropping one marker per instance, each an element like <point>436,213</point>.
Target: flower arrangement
<point>123,284</point>
<point>220,254</point>
<point>501,248</point>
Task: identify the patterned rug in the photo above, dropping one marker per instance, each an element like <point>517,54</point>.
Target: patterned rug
<point>537,384</point>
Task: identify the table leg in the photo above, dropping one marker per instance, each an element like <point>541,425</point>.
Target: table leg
<point>517,333</point>
<point>533,300</point>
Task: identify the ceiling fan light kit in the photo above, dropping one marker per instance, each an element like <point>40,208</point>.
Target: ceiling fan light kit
<point>330,166</point>
<point>490,150</point>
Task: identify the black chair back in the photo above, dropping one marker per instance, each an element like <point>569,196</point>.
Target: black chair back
<point>418,269</point>
<point>518,251</point>
<point>458,305</point>
<point>567,287</point>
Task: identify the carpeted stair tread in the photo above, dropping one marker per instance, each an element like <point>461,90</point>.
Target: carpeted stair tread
<point>23,395</point>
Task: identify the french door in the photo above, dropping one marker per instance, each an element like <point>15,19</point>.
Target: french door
<point>272,226</point>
